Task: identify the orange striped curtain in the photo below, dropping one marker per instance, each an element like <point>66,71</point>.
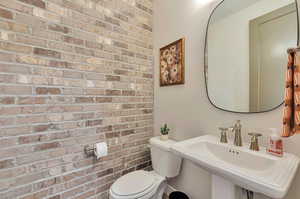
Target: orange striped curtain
<point>291,115</point>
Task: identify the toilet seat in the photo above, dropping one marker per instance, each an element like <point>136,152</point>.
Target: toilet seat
<point>135,185</point>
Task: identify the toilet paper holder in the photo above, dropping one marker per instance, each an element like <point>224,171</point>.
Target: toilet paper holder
<point>89,150</point>
<point>98,150</point>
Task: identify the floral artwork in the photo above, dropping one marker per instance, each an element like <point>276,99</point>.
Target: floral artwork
<point>172,64</point>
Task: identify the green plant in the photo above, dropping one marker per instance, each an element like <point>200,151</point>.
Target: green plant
<point>164,130</point>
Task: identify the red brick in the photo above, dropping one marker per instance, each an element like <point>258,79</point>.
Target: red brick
<point>127,132</point>
<point>31,100</point>
<point>41,128</point>
<point>38,3</point>
<point>6,163</point>
<point>15,90</point>
<point>93,122</point>
<point>84,99</point>
<point>103,99</point>
<point>113,92</point>
<point>7,100</point>
<point>6,14</point>
<point>66,83</point>
<point>55,197</point>
<point>73,40</point>
<point>48,91</point>
<point>47,53</point>
<point>112,78</point>
<point>46,146</point>
<point>29,139</point>
<point>58,28</point>
<point>128,93</point>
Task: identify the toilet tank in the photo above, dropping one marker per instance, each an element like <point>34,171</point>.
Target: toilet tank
<point>164,162</point>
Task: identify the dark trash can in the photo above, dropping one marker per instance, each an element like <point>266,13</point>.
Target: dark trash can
<point>178,195</point>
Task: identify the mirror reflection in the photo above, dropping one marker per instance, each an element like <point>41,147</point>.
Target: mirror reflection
<point>246,51</point>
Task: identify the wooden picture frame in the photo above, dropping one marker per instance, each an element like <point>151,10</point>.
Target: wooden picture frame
<point>172,63</point>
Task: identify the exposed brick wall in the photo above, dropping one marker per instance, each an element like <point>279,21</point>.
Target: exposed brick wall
<point>73,73</point>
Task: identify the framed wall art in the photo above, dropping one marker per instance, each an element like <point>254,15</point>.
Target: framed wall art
<point>172,63</point>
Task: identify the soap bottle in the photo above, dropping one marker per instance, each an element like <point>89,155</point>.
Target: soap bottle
<point>275,144</point>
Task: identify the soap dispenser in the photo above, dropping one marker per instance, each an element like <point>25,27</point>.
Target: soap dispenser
<point>275,143</point>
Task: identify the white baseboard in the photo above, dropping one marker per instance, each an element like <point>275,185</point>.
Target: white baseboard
<point>169,190</point>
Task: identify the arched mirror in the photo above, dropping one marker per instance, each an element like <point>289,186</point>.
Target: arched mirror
<point>245,56</point>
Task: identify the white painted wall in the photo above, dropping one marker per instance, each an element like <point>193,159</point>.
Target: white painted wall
<point>186,107</point>
<point>231,66</point>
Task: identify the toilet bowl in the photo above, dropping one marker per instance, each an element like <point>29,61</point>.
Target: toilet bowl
<point>138,184</point>
<point>149,184</point>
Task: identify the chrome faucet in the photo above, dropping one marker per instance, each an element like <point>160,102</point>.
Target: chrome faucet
<point>237,129</point>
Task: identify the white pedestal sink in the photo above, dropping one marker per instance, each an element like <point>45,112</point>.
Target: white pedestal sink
<point>222,189</point>
<point>256,171</point>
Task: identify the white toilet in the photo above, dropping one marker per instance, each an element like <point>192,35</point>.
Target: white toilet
<point>145,184</point>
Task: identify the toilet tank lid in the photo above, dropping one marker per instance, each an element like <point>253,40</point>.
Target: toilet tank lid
<point>164,145</point>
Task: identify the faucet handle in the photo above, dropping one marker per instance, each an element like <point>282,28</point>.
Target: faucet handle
<point>254,141</point>
<point>238,124</point>
<point>255,134</point>
<point>231,128</point>
<point>223,138</point>
<point>223,129</point>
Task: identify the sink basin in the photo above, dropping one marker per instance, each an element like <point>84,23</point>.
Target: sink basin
<point>256,171</point>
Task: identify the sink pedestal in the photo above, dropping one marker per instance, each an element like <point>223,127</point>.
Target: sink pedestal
<point>222,189</point>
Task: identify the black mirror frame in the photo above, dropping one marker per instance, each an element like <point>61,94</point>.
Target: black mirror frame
<point>206,62</point>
